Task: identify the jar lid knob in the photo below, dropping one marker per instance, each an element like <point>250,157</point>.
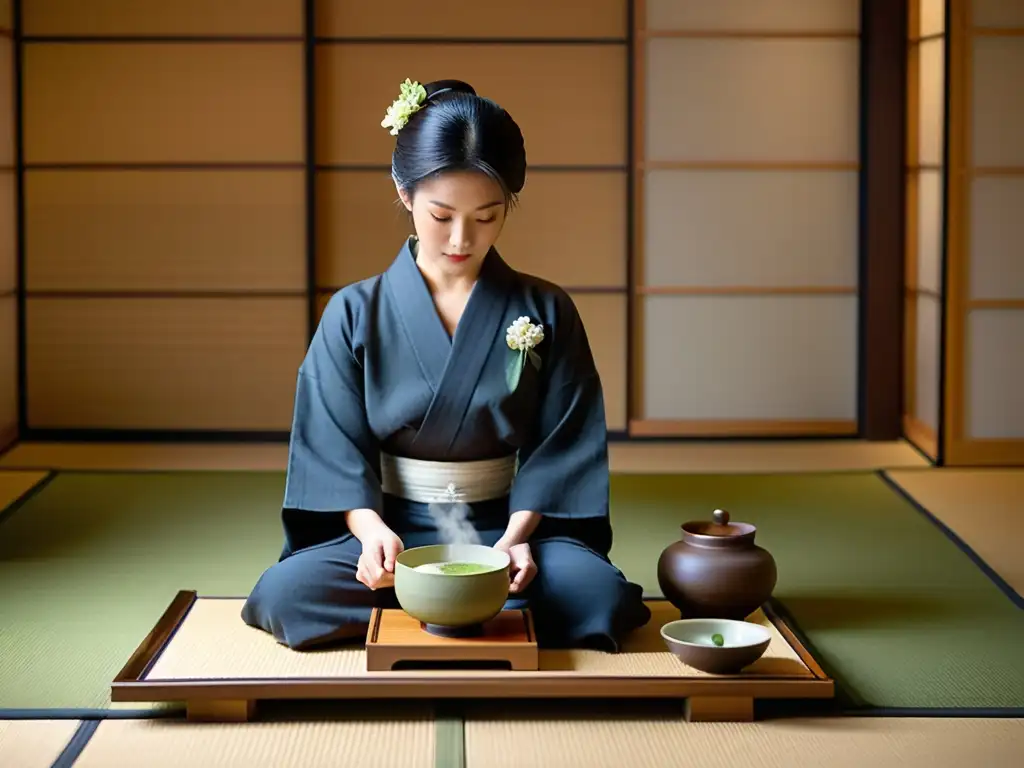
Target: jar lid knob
<point>721,517</point>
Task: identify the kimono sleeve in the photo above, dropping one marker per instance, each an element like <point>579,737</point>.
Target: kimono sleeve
<point>563,467</point>
<point>333,457</point>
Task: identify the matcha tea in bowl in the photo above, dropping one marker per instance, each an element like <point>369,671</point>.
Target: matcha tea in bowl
<point>453,589</point>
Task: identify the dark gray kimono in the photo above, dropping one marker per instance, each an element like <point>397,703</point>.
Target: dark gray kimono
<point>383,374</point>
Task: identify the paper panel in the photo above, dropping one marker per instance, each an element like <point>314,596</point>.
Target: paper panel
<point>164,103</point>
<point>752,100</point>
<point>750,357</point>
<point>173,230</point>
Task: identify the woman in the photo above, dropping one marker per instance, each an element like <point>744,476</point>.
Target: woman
<point>449,371</point>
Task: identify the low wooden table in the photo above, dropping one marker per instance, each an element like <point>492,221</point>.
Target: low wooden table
<point>202,653</point>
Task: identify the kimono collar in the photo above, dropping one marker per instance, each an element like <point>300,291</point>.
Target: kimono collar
<point>451,366</point>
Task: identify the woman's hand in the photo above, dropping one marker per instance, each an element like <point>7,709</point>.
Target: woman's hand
<point>522,568</point>
<point>376,568</point>
<point>521,526</point>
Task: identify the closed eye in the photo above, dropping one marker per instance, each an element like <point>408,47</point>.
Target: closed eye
<point>448,218</point>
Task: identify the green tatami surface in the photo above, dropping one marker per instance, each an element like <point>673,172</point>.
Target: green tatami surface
<point>89,564</point>
<point>895,611</point>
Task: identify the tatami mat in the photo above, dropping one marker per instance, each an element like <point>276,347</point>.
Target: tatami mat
<point>406,740</point>
<point>15,484</point>
<point>653,741</point>
<point>984,508</point>
<point>631,458</point>
<point>90,562</point>
<point>34,743</point>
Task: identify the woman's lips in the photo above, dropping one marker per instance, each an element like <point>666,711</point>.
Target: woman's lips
<point>457,257</point>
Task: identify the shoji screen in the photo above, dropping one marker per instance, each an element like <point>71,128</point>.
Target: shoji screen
<point>747,209</point>
<point>165,250</point>
<point>985,359</point>
<point>560,70</point>
<point>8,236</point>
<point>925,222</point>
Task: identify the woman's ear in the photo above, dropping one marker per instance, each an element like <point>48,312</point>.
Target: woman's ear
<point>404,197</point>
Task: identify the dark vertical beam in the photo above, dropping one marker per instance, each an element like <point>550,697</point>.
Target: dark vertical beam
<point>883,131</point>
<point>309,112</point>
<point>19,214</point>
<point>950,48</point>
<point>631,223</point>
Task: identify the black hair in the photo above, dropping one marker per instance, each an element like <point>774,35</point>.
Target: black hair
<point>457,130</point>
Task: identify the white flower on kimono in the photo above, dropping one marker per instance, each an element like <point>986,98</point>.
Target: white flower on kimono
<point>405,106</point>
<point>522,337</point>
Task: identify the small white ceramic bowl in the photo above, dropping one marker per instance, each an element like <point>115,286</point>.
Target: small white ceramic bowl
<point>743,643</point>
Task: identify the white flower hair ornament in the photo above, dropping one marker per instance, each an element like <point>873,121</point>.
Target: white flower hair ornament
<point>405,106</point>
<point>522,337</point>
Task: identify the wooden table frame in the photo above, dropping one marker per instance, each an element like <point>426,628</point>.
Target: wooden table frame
<point>715,698</point>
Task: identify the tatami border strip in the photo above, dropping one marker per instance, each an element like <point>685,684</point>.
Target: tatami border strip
<point>963,546</point>
<point>76,744</point>
<point>449,736</point>
<point>90,713</point>
<point>28,495</point>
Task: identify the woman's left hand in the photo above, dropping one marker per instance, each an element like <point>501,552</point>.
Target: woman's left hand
<point>522,568</point>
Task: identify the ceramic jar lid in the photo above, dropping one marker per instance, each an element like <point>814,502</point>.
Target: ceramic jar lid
<point>719,529</point>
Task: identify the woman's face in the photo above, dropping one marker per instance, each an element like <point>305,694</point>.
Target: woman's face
<point>458,217</point>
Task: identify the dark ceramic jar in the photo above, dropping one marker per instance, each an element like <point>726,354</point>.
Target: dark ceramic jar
<point>716,570</point>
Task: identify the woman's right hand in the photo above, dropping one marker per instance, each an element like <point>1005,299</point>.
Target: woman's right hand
<point>376,568</point>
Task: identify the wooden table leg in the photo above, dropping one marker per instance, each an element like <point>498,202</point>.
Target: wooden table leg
<point>222,711</point>
<point>712,709</point>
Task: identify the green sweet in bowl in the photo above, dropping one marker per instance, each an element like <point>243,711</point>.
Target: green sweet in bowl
<point>716,646</point>
<point>452,585</point>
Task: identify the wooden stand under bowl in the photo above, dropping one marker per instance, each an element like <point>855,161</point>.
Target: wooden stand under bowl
<point>394,638</point>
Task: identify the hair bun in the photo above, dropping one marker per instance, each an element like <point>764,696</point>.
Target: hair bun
<point>438,87</point>
<point>446,125</point>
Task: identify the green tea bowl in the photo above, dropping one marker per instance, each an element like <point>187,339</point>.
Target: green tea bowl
<point>693,642</point>
<point>452,588</point>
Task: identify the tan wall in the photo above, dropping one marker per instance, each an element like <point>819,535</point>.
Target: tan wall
<point>8,236</point>
<point>170,298</point>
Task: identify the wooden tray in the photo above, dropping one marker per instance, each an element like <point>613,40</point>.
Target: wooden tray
<point>201,653</point>
<point>394,638</point>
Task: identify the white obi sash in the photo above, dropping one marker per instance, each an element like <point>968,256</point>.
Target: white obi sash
<point>428,482</point>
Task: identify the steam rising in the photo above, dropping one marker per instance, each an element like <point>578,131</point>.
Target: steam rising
<point>452,521</point>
